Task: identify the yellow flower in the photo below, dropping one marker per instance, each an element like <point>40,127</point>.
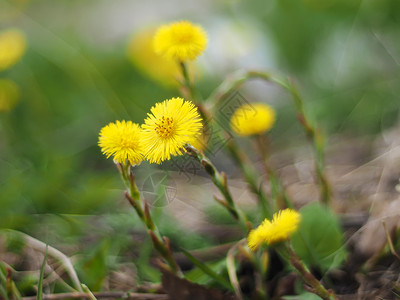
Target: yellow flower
<point>9,95</point>
<point>201,142</point>
<point>283,224</point>
<point>141,54</point>
<point>123,141</point>
<point>12,47</point>
<point>180,41</point>
<point>251,119</point>
<point>171,124</point>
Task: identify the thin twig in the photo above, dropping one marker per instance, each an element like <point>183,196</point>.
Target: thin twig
<point>113,295</point>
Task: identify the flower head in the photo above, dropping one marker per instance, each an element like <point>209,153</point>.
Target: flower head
<point>123,141</point>
<point>283,224</point>
<point>251,119</point>
<point>170,125</point>
<point>180,40</point>
<point>12,47</point>
<point>9,95</point>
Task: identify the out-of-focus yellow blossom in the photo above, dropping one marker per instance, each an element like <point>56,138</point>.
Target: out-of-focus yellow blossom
<point>12,47</point>
<point>200,143</point>
<point>252,119</point>
<point>9,95</point>
<point>169,127</point>
<point>283,224</point>
<point>141,54</point>
<point>180,41</point>
<point>123,140</point>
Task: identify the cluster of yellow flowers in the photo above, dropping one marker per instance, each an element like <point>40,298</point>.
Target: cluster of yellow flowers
<point>173,123</point>
<point>168,128</point>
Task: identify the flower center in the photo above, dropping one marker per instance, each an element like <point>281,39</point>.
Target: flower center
<point>165,127</point>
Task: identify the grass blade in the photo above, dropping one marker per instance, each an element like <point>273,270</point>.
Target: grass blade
<point>40,286</point>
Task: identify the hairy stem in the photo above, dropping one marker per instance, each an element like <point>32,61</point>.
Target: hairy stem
<point>277,189</point>
<point>220,181</point>
<point>251,177</point>
<point>142,209</point>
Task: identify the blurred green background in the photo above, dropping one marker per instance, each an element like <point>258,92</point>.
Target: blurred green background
<point>76,76</point>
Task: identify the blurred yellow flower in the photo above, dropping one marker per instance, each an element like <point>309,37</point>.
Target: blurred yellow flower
<point>9,95</point>
<point>200,143</point>
<point>171,124</point>
<point>283,224</point>
<point>141,54</point>
<point>251,119</point>
<point>180,41</point>
<point>123,141</point>
<point>12,47</point>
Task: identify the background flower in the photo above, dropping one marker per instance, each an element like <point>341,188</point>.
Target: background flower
<point>180,40</point>
<point>251,119</point>
<point>12,47</point>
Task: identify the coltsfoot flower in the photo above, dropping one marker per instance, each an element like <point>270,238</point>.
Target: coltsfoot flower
<point>252,119</point>
<point>180,41</point>
<point>122,140</point>
<point>12,47</point>
<point>283,224</point>
<point>170,125</point>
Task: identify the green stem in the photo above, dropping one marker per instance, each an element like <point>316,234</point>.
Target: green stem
<point>194,95</point>
<point>220,181</point>
<point>249,174</point>
<point>187,83</point>
<point>277,189</point>
<point>308,277</point>
<point>251,177</point>
<point>141,207</point>
<point>316,138</point>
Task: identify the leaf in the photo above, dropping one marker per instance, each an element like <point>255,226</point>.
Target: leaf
<point>319,240</point>
<point>40,286</point>
<point>94,269</point>
<point>206,269</point>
